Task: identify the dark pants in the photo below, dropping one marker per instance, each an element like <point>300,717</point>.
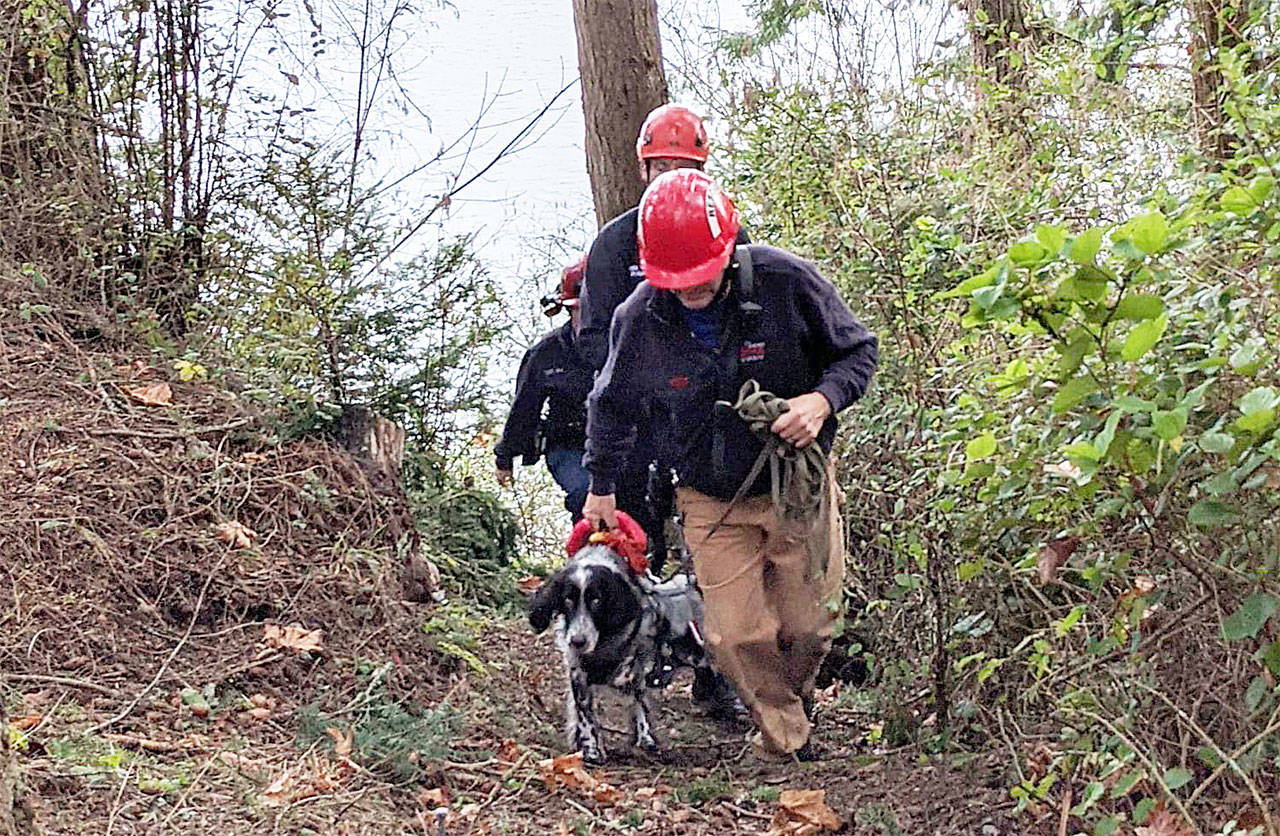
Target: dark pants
<point>633,497</point>
<point>565,464</point>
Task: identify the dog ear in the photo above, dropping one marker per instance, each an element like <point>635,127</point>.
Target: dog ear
<point>546,602</point>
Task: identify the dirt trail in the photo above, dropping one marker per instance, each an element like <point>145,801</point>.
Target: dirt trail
<point>227,768</point>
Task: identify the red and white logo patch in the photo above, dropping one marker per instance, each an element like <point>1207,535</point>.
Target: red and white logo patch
<point>751,352</point>
<point>678,383</point>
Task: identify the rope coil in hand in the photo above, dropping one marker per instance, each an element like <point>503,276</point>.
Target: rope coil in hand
<point>797,476</point>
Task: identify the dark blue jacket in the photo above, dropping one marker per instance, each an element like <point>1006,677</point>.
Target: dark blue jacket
<point>613,272</point>
<point>555,374</point>
<point>806,339</point>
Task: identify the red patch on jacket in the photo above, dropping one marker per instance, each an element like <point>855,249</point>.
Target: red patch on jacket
<point>751,352</point>
<point>679,383</point>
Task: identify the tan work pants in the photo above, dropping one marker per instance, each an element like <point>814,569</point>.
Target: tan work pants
<point>768,626</point>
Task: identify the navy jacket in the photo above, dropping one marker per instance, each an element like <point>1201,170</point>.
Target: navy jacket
<point>613,272</point>
<point>555,374</point>
<point>806,339</point>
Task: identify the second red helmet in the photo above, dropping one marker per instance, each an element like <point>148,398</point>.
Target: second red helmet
<point>571,283</point>
<point>672,131</point>
<point>687,230</point>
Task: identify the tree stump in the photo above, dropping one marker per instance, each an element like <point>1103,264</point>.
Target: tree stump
<point>377,443</point>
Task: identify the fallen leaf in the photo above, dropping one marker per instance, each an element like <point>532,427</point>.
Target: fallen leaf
<point>437,797</point>
<point>1163,823</point>
<point>529,585</point>
<point>341,742</point>
<point>235,534</point>
<point>29,722</point>
<point>1066,469</point>
<point>153,394</point>
<point>260,714</point>
<point>603,793</point>
<point>277,792</point>
<point>293,637</point>
<point>509,751</point>
<point>260,701</point>
<point>1053,556</point>
<point>803,812</point>
<point>679,816</point>
<point>645,793</point>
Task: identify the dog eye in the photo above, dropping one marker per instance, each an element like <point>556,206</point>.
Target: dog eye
<point>568,602</point>
<point>593,602</point>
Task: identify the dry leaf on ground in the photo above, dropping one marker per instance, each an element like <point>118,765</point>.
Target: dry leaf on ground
<point>235,534</point>
<point>1053,556</point>
<point>293,637</point>
<point>529,585</point>
<point>153,394</point>
<point>341,742</point>
<point>509,751</point>
<point>566,771</point>
<point>437,797</point>
<point>1163,823</point>
<point>803,813</point>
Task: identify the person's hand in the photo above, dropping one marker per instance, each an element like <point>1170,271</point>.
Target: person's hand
<point>601,508</point>
<point>504,476</point>
<point>802,422</point>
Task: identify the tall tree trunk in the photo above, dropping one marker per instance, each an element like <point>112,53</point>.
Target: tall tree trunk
<point>998,31</point>
<point>1217,26</point>
<point>620,59</point>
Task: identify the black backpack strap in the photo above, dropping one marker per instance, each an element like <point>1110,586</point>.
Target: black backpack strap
<point>748,308</point>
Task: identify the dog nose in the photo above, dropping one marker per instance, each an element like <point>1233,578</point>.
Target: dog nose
<point>578,641</point>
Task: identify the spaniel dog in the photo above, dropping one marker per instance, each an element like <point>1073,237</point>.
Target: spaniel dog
<point>623,630</point>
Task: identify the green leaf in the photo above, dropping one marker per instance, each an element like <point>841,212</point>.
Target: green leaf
<point>1083,450</point>
<point>980,447</point>
<point>1169,425</point>
<point>1248,357</point>
<point>1143,337</point>
<point>969,285</point>
<point>1125,784</point>
<point>1052,238</point>
<point>1256,421</point>
<point>1091,283</point>
<point>1143,809</point>
<point>1106,827</point>
<point>1263,397</point>
<point>969,570</point>
<point>1026,252</point>
<point>1149,232</point>
<point>1238,201</point>
<point>1177,777</point>
<point>1272,658</point>
<point>1131,405</point>
<point>1140,306</point>
<point>1245,622</point>
<point>1209,513</point>
<point>1261,187</point>
<point>1086,245</point>
<point>1212,442</point>
<point>1073,392</point>
<point>1256,693</point>
<point>1224,484</point>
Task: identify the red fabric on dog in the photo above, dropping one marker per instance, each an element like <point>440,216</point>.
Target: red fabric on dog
<point>628,540</point>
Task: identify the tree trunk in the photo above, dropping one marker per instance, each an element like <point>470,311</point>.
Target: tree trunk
<point>997,32</point>
<point>620,59</point>
<point>378,445</point>
<point>1217,26</point>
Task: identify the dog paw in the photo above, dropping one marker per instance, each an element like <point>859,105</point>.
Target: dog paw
<point>648,746</point>
<point>593,755</point>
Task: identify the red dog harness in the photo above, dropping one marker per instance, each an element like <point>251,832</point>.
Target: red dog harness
<point>627,540</point>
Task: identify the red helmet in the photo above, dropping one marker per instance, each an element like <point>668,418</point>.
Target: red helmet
<point>571,283</point>
<point>687,230</point>
<point>672,131</point>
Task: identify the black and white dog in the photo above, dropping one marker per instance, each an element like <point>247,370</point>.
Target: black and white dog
<point>629,633</point>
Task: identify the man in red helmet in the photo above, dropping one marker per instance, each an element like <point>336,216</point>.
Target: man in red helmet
<point>554,374</point>
<point>672,137</point>
<point>687,338</point>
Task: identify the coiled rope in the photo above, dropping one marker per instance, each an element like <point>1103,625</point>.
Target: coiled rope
<point>797,476</point>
